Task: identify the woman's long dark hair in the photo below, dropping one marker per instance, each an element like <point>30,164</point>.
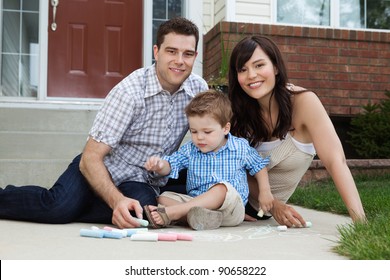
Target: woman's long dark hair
<point>247,119</point>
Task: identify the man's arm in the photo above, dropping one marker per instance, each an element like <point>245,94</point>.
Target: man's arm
<point>94,170</point>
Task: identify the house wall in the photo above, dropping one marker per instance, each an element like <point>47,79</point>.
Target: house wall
<point>208,15</point>
<point>253,11</point>
<point>346,68</point>
<point>219,10</point>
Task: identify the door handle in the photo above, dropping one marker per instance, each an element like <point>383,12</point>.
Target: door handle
<point>54,4</point>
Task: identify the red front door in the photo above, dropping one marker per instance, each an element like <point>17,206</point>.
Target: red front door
<point>95,45</point>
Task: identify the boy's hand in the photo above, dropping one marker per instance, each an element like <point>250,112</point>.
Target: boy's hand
<point>266,200</point>
<point>154,163</point>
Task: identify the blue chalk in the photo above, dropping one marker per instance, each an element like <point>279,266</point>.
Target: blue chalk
<point>91,233</point>
<point>112,234</point>
<point>131,231</point>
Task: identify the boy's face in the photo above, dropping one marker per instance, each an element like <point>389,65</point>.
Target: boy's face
<point>175,60</point>
<point>207,134</point>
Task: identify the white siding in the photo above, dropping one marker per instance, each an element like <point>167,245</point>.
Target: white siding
<point>219,11</point>
<point>253,11</point>
<point>208,15</point>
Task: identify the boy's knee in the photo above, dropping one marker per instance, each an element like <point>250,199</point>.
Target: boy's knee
<point>220,187</point>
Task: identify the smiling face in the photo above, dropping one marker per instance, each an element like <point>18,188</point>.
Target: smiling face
<point>174,60</point>
<point>257,76</point>
<point>207,134</point>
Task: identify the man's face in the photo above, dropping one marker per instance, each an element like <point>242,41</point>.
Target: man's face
<point>175,60</point>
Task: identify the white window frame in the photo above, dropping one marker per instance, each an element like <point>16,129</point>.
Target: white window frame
<point>334,17</point>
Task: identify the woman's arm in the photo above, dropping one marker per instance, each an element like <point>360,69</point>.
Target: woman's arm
<point>313,124</point>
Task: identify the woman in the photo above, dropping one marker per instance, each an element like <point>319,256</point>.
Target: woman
<point>287,122</point>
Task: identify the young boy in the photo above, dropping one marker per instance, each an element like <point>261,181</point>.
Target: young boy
<point>216,162</point>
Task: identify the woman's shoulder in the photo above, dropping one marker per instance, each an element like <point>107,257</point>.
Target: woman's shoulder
<point>297,89</point>
<point>302,96</point>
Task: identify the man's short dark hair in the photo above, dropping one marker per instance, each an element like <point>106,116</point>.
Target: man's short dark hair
<point>178,25</point>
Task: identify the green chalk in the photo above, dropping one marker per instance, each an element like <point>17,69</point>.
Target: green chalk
<point>143,223</point>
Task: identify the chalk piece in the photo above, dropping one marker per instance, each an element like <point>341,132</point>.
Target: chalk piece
<point>308,224</point>
<point>167,237</point>
<point>184,237</point>
<point>260,213</point>
<point>121,231</point>
<point>131,231</point>
<point>281,228</point>
<point>112,234</point>
<point>91,233</point>
<point>143,223</point>
<point>95,228</point>
<point>144,237</point>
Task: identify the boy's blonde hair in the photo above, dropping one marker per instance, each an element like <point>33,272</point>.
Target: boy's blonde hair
<point>213,103</point>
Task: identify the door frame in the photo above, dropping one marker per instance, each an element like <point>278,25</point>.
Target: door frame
<point>192,10</point>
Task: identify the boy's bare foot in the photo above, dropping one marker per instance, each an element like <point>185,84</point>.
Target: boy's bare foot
<point>157,216</point>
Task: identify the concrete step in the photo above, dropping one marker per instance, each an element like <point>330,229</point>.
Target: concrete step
<point>38,172</point>
<point>40,145</point>
<point>46,120</point>
<point>36,145</point>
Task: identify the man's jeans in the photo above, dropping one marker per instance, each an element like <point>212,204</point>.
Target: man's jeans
<point>69,200</point>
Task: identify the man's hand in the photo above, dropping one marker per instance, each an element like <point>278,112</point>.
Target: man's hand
<point>121,213</point>
<point>286,215</point>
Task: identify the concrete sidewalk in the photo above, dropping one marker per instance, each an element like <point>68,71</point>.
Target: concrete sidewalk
<point>249,241</point>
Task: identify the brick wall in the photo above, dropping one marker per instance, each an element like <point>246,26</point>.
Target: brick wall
<point>317,171</point>
<point>346,68</point>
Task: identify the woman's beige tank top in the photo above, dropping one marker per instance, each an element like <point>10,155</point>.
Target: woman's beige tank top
<point>289,160</point>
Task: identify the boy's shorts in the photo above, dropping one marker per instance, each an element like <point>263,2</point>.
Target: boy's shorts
<point>232,209</point>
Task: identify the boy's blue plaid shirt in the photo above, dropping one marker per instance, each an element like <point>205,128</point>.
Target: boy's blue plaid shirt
<point>228,164</point>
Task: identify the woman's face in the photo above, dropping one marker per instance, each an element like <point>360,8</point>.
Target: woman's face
<point>257,76</point>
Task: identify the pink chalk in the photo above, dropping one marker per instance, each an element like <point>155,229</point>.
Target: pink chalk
<point>183,236</point>
<point>167,237</point>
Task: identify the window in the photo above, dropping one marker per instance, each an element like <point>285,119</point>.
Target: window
<point>308,12</point>
<point>19,47</point>
<point>372,14</point>
<point>377,13</point>
<point>163,10</point>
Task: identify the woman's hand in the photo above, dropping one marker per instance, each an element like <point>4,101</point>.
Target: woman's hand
<point>286,215</point>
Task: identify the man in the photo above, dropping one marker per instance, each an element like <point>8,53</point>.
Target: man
<point>142,116</point>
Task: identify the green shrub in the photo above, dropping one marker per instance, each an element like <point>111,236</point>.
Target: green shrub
<point>370,130</point>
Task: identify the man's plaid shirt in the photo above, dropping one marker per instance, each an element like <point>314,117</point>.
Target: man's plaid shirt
<point>139,119</point>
